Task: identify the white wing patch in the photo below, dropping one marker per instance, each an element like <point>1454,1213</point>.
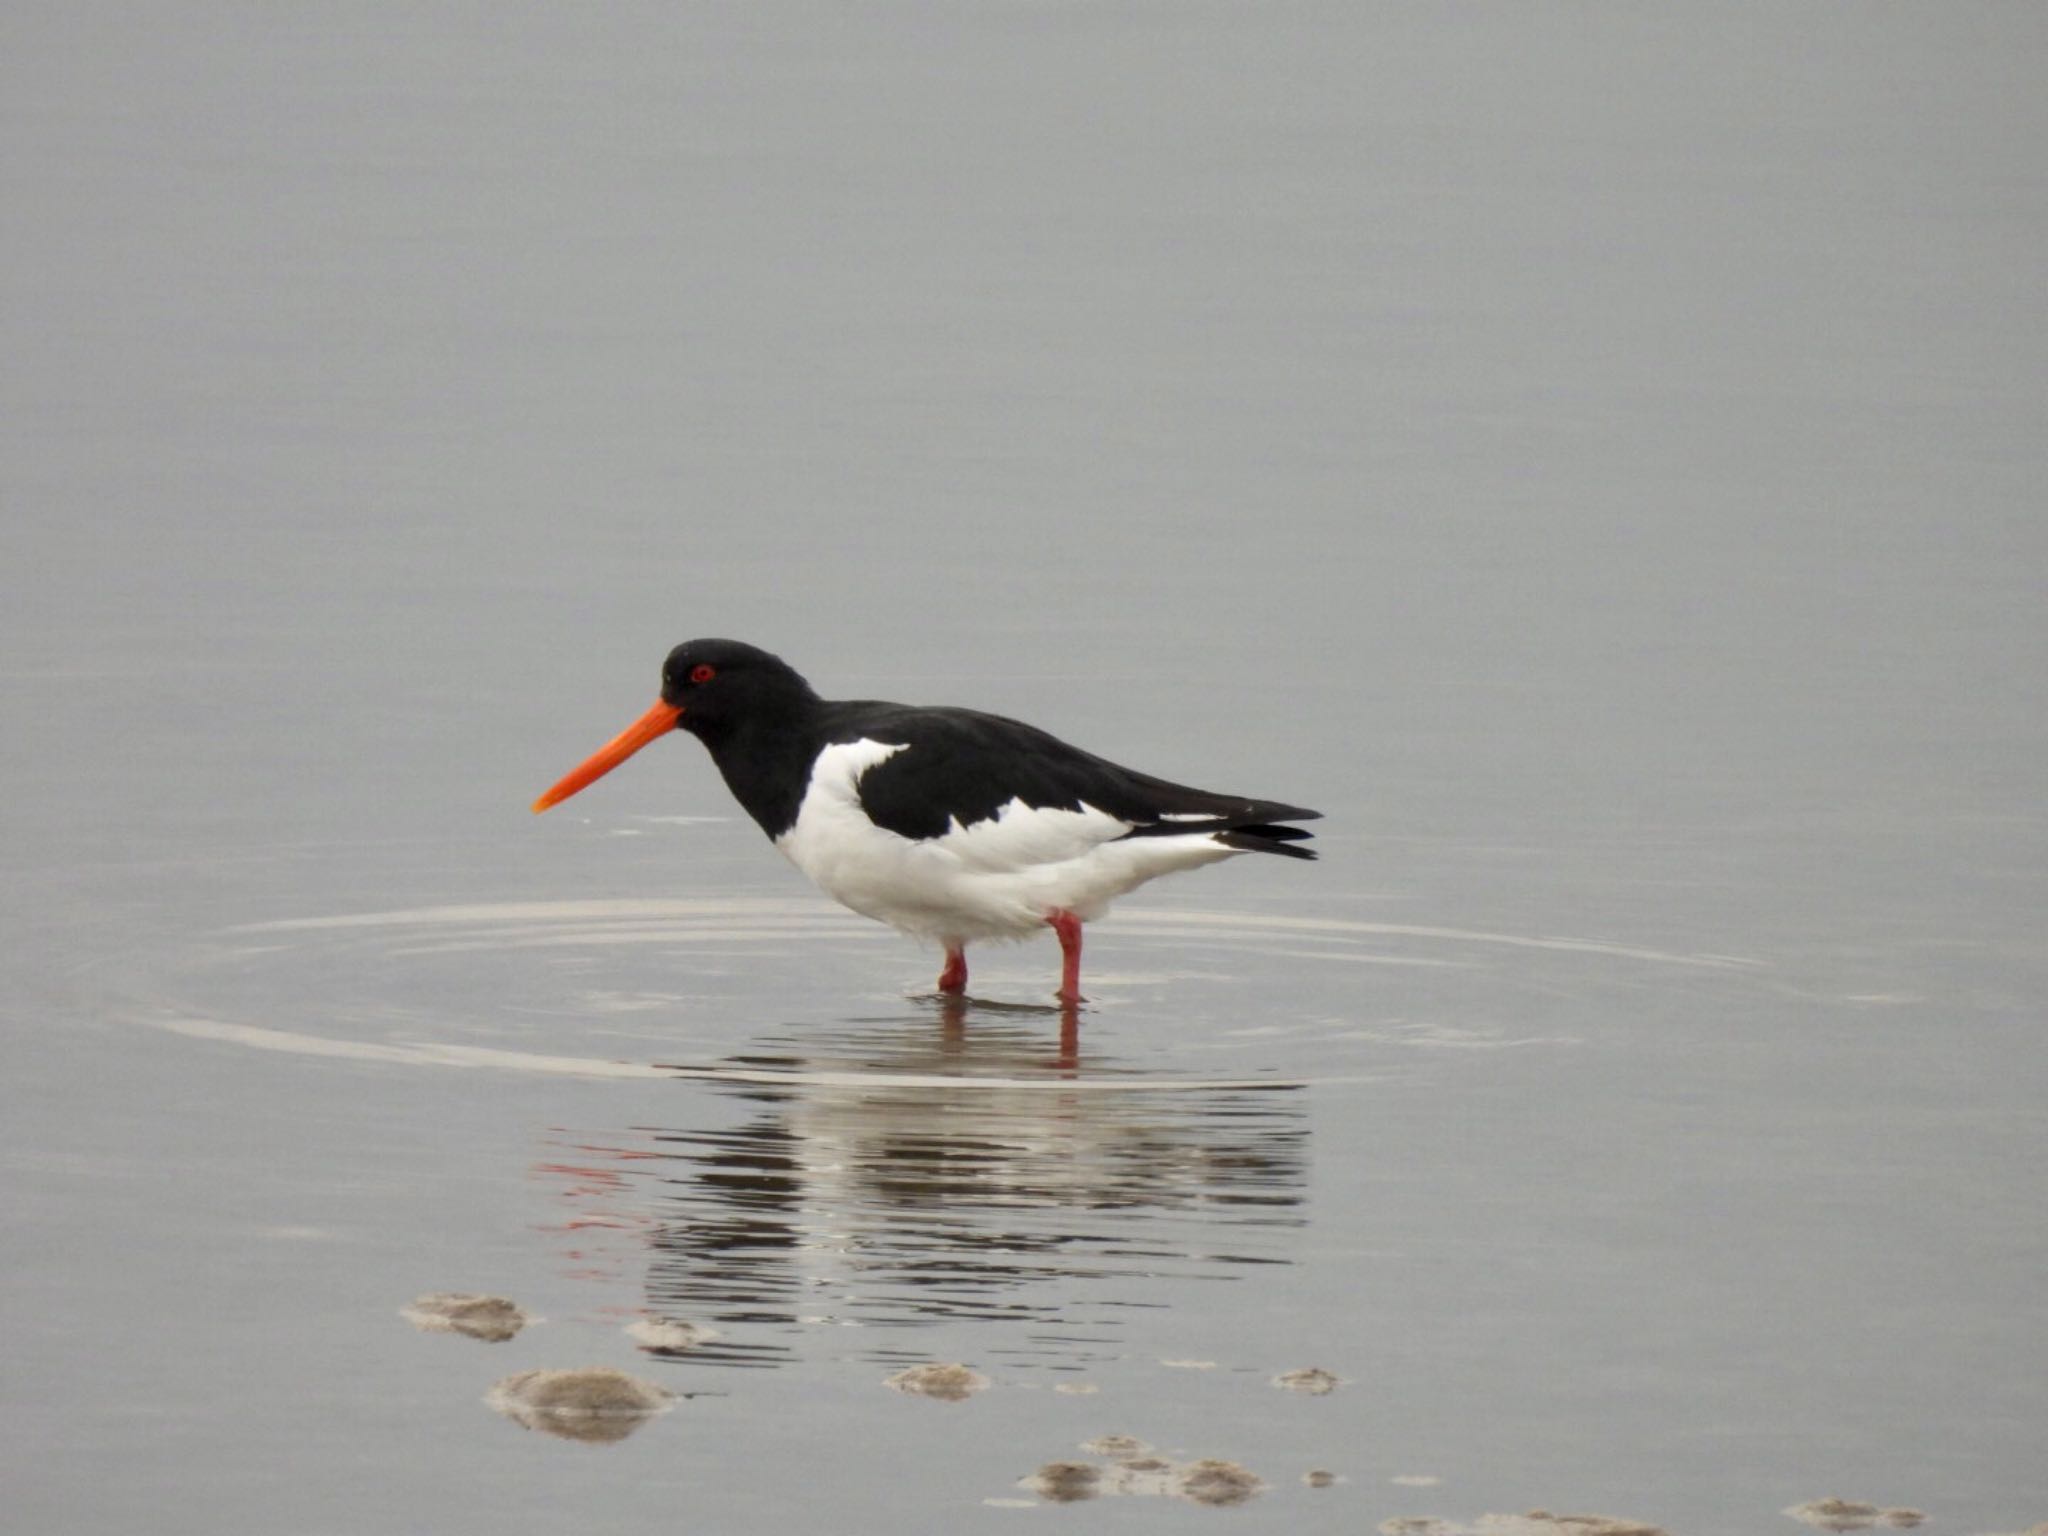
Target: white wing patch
<point>1020,836</point>
<point>839,768</point>
<point>997,877</point>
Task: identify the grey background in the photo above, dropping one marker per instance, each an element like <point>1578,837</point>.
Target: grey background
<point>1594,454</point>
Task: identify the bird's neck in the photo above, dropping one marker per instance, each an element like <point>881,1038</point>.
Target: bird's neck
<point>766,762</point>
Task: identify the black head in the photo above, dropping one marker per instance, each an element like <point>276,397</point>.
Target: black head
<point>718,683</point>
<point>710,687</point>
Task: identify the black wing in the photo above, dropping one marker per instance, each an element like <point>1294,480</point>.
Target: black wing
<point>963,765</point>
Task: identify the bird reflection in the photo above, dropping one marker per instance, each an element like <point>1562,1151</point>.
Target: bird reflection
<point>894,1173</point>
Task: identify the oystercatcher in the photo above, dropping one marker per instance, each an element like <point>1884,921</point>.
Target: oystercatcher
<point>946,824</point>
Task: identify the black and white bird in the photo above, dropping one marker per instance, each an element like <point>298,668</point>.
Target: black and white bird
<point>944,823</point>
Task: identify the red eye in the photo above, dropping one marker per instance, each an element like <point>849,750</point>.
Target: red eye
<point>703,672</point>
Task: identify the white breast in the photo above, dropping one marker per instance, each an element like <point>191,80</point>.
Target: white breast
<point>991,879</point>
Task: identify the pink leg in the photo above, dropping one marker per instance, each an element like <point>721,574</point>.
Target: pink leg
<point>954,977</point>
<point>1068,927</point>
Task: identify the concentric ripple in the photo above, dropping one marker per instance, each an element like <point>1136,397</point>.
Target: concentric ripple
<point>765,990</point>
<point>880,1159</point>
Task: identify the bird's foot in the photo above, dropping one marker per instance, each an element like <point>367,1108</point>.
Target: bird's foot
<point>1068,928</point>
<point>953,978</point>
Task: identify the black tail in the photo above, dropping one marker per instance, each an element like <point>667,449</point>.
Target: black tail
<point>1268,840</point>
<point>1252,836</point>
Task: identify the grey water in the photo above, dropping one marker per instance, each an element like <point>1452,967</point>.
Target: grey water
<point>1594,455</point>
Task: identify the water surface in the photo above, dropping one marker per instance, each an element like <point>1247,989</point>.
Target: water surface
<point>1594,460</point>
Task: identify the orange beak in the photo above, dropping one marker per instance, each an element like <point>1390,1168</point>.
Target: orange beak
<point>657,722</point>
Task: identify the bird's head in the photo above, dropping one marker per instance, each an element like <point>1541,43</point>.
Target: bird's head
<point>707,688</point>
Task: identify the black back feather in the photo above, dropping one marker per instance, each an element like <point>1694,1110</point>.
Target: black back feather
<point>965,765</point>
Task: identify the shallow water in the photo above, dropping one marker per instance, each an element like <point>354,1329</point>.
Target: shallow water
<point>1599,467</point>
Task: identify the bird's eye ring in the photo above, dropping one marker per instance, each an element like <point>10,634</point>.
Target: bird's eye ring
<point>703,672</point>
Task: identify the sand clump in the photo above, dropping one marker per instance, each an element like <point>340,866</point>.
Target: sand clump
<point>1065,1482</point>
<point>949,1383</point>
<point>1218,1483</point>
<point>667,1335</point>
<point>494,1319</point>
<point>1210,1481</point>
<point>1536,1522</point>
<point>1311,1380</point>
<point>1852,1515</point>
<point>595,1404</point>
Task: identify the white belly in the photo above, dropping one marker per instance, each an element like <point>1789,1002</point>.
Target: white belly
<point>994,879</point>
